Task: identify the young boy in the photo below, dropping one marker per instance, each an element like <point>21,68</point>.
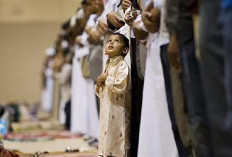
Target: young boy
<point>113,88</point>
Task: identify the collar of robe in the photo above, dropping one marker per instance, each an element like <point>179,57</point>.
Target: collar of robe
<point>115,59</point>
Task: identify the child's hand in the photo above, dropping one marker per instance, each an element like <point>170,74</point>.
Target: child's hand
<point>101,79</point>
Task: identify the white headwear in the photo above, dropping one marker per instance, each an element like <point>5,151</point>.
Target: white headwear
<point>80,14</point>
<point>73,20</point>
<point>124,30</point>
<point>64,44</point>
<point>50,51</point>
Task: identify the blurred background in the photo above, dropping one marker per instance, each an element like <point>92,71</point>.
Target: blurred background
<point>27,28</point>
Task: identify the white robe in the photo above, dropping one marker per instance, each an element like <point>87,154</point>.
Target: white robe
<point>63,78</point>
<point>84,117</point>
<point>48,91</point>
<point>156,138</point>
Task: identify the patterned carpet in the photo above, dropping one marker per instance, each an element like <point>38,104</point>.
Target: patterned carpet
<point>72,155</point>
<point>55,146</point>
<point>65,155</point>
<point>28,139</point>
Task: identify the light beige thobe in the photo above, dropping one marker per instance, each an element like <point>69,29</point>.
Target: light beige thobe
<point>115,109</point>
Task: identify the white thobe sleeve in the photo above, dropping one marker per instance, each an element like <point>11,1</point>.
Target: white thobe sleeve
<point>111,5</point>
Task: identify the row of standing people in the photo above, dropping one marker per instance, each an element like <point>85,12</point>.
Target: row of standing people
<point>178,106</point>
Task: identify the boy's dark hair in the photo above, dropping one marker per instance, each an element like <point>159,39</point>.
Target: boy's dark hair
<point>124,38</point>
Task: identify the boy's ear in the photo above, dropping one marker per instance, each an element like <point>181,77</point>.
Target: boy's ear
<point>125,50</point>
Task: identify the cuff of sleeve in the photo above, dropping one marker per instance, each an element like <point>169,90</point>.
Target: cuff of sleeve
<point>141,24</point>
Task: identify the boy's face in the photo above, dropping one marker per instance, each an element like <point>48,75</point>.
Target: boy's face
<point>114,46</point>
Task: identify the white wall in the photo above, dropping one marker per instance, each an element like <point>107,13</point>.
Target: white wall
<point>27,28</point>
<point>36,10</point>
